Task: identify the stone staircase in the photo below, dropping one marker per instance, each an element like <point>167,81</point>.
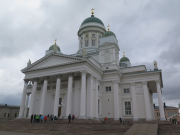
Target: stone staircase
<point>60,127</point>
<point>168,129</point>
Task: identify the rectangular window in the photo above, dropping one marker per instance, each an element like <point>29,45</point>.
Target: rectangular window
<point>98,106</point>
<point>15,115</point>
<point>93,35</point>
<point>108,88</point>
<point>81,38</point>
<point>48,87</point>
<point>81,44</point>
<point>54,87</point>
<point>8,114</point>
<point>127,108</point>
<point>98,88</point>
<point>60,101</point>
<point>93,42</point>
<point>86,43</point>
<point>126,90</point>
<point>99,36</point>
<point>4,114</point>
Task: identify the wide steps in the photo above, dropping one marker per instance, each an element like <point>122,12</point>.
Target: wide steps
<point>63,127</point>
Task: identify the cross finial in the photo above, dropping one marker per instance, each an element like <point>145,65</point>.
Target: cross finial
<point>55,40</point>
<point>92,11</point>
<point>108,27</point>
<point>123,54</point>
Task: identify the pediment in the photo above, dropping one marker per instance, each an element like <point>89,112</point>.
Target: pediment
<point>52,60</point>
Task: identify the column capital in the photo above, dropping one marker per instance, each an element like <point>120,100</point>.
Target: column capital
<point>132,83</point>
<point>83,72</point>
<point>70,74</point>
<point>58,76</point>
<point>26,80</point>
<point>115,82</point>
<point>157,81</point>
<point>90,75</point>
<point>144,82</point>
<point>46,77</point>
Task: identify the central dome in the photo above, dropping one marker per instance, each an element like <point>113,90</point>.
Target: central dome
<point>92,19</point>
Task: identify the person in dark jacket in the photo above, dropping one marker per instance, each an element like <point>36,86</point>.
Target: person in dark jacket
<point>69,117</point>
<point>31,118</point>
<point>34,118</point>
<point>120,120</point>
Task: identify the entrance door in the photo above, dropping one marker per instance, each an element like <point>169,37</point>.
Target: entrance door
<point>59,111</point>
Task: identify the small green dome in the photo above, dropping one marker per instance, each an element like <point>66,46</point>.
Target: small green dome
<point>123,59</point>
<point>52,47</point>
<point>108,33</point>
<point>92,19</point>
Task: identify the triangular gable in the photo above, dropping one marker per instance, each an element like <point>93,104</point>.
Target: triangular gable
<point>52,60</point>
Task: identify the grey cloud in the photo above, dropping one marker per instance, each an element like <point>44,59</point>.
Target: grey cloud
<point>146,31</point>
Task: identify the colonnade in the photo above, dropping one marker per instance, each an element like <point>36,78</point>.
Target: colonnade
<point>23,107</point>
<point>147,101</point>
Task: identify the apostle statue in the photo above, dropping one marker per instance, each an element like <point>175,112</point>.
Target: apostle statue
<point>29,63</point>
<point>84,52</point>
<point>155,64</point>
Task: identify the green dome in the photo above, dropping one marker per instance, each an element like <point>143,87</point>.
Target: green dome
<point>123,59</point>
<point>92,19</point>
<point>108,33</point>
<point>52,47</point>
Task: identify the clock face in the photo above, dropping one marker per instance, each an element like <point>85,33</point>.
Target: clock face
<point>86,35</point>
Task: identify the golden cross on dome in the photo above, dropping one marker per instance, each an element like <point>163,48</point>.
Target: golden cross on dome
<point>92,11</point>
<point>123,54</point>
<point>108,27</point>
<point>55,40</point>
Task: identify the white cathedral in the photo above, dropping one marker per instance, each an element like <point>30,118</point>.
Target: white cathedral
<point>92,83</point>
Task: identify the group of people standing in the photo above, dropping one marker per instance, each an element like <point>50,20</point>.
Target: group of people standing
<point>38,118</point>
<point>71,118</point>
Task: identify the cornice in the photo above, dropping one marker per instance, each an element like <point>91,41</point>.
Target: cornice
<point>141,73</point>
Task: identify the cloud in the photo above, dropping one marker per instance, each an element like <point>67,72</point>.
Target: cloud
<point>145,30</point>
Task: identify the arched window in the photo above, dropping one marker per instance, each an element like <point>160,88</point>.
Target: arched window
<point>107,57</point>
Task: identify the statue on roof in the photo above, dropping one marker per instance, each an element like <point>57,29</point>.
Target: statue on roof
<point>55,48</point>
<point>155,64</point>
<point>29,63</point>
<point>84,52</point>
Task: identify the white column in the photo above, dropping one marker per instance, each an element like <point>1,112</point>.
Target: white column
<point>134,103</point>
<point>27,101</point>
<point>96,105</point>
<point>33,95</point>
<point>120,101</point>
<point>97,39</point>
<point>161,109</point>
<point>90,42</point>
<point>23,99</point>
<point>147,101</point>
<point>43,96</point>
<point>57,93</point>
<point>83,96</point>
<point>116,100</point>
<point>83,41</point>
<point>69,95</point>
<point>89,96</point>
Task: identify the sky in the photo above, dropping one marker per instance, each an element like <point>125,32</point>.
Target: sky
<point>146,30</point>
